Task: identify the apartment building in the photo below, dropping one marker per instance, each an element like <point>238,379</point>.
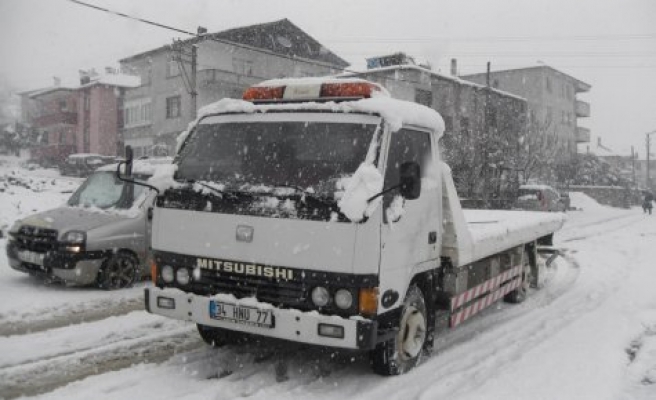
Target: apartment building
<point>52,113</point>
<point>552,100</point>
<point>227,62</point>
<point>99,110</point>
<point>482,125</point>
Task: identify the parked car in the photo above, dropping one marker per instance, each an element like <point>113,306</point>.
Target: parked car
<point>100,237</point>
<point>82,164</point>
<point>539,198</point>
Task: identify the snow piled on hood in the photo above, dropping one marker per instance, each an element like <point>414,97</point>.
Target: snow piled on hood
<point>365,183</point>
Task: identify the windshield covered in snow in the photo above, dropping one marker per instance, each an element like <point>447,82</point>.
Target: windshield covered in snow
<point>276,163</point>
<point>104,190</point>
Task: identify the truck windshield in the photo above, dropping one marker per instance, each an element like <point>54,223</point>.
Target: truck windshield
<point>310,156</point>
<point>104,190</point>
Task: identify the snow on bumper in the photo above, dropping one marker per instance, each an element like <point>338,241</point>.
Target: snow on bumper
<point>289,324</point>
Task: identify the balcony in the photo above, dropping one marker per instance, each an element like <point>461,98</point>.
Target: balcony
<point>582,109</point>
<point>582,135</point>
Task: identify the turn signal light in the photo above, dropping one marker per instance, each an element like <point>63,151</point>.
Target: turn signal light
<point>368,304</point>
<point>153,272</point>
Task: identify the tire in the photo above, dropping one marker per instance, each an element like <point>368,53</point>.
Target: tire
<point>404,352</point>
<point>521,293</point>
<point>217,337</point>
<point>118,271</point>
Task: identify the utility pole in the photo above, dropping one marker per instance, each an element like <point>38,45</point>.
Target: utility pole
<point>633,158</point>
<point>194,93</point>
<point>184,55</point>
<point>648,182</point>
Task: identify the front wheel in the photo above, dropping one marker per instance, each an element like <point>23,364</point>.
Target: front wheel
<point>403,352</point>
<point>118,271</point>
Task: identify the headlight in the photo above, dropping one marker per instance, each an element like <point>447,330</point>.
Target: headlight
<point>343,299</point>
<point>320,296</point>
<point>167,273</point>
<point>16,226</point>
<point>182,276</point>
<point>77,237</point>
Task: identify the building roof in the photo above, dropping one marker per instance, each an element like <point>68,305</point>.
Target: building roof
<point>120,80</point>
<point>41,92</point>
<point>437,75</point>
<point>277,37</point>
<point>581,86</point>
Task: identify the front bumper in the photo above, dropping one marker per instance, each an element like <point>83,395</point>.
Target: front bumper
<point>290,324</point>
<point>69,268</point>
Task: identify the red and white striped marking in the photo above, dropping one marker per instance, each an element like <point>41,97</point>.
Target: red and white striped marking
<point>487,286</point>
<point>468,312</point>
<point>495,294</point>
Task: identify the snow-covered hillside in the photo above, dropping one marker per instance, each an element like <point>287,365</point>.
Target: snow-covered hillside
<point>589,334</point>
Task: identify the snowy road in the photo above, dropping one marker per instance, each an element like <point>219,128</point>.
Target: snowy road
<point>589,334</point>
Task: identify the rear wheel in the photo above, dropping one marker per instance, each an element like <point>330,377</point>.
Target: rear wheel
<point>217,337</point>
<point>403,352</point>
<point>118,271</point>
<point>521,293</point>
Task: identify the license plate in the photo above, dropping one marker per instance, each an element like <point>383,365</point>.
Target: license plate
<point>31,257</point>
<point>240,314</point>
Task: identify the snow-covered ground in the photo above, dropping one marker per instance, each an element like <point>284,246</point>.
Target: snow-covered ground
<point>589,334</point>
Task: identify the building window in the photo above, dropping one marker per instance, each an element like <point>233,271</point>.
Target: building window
<point>242,66</point>
<point>173,107</point>
<point>464,126</point>
<point>63,106</point>
<point>424,97</point>
<point>549,116</point>
<point>137,113</point>
<point>87,102</point>
<point>448,124</point>
<point>172,69</point>
<point>548,84</point>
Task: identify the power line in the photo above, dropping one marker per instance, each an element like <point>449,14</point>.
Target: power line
<point>347,70</point>
<point>636,36</point>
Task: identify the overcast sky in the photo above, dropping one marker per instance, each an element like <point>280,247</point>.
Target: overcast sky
<point>610,44</point>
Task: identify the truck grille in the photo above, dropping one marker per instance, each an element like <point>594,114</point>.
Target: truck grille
<point>36,239</point>
<point>279,293</point>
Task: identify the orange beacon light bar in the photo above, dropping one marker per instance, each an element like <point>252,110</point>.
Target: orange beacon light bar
<point>298,90</point>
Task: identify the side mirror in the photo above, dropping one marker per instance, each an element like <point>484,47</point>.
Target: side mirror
<point>410,180</point>
<point>129,158</point>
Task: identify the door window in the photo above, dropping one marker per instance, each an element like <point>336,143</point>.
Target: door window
<point>405,145</point>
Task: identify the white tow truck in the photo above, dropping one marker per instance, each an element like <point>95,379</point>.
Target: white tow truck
<point>319,211</point>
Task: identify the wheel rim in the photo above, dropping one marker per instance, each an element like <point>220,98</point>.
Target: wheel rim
<point>412,334</point>
<point>120,273</point>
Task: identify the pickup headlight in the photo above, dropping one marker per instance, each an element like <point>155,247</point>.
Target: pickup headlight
<point>74,237</point>
<point>74,241</point>
<point>15,228</point>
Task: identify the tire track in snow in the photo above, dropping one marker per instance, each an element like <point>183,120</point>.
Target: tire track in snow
<point>45,375</point>
<point>87,312</point>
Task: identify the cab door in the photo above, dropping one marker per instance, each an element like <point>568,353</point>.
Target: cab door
<point>411,229</point>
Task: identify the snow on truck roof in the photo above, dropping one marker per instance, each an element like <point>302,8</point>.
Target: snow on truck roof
<point>395,112</point>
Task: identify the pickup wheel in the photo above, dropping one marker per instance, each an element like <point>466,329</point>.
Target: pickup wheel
<point>217,337</point>
<point>402,353</point>
<point>521,293</point>
<point>118,271</point>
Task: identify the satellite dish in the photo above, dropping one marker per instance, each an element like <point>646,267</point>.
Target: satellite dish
<point>284,42</point>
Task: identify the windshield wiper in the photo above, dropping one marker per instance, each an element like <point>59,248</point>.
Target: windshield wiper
<point>210,187</point>
<point>305,193</point>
